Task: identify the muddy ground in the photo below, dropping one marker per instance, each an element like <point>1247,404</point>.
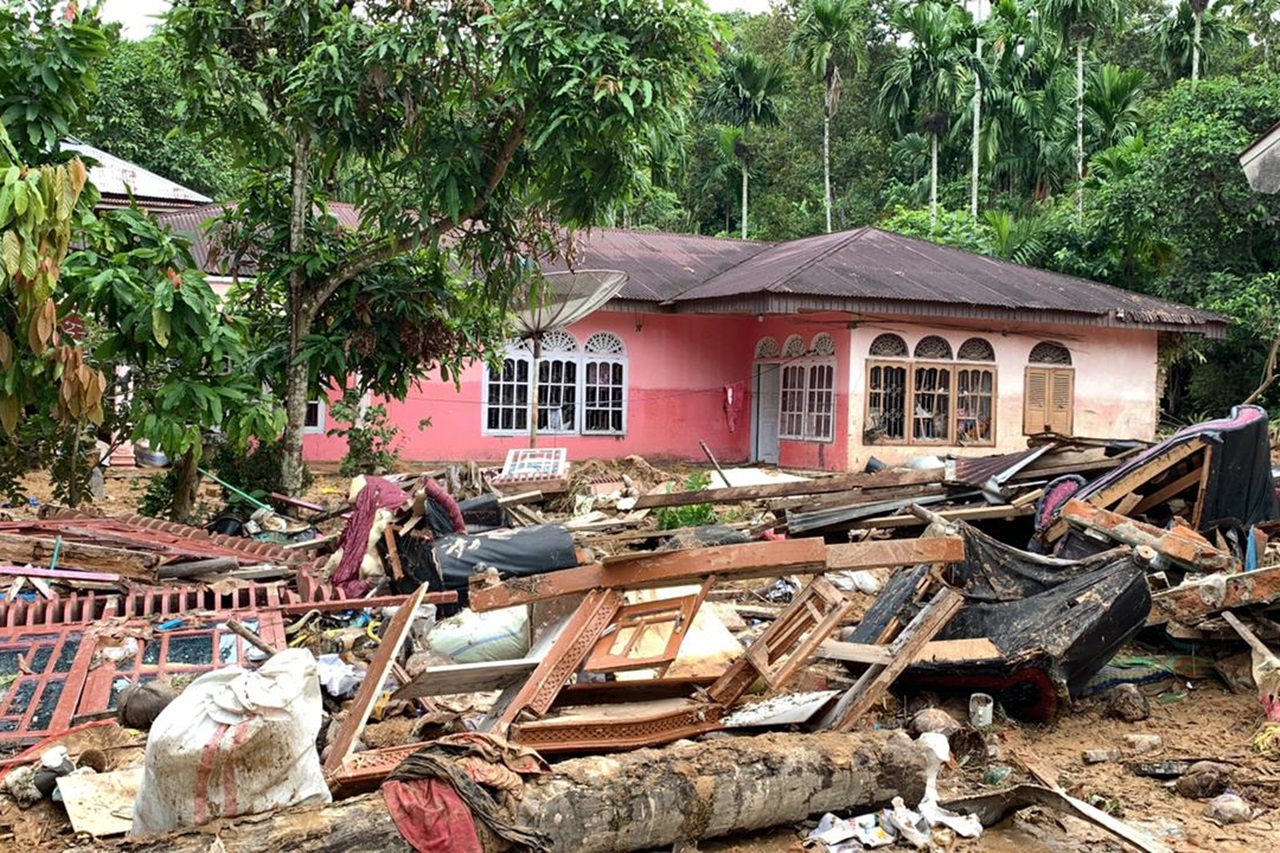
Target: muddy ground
<point>1195,719</point>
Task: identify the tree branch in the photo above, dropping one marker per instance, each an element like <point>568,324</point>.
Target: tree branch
<point>1269,372</point>
<point>393,248</point>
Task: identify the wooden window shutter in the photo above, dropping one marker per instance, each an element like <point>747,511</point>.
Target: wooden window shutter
<point>1035,400</point>
<point>1061,400</point>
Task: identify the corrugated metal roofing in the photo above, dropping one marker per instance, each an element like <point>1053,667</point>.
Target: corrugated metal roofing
<point>873,264</point>
<point>113,176</point>
<point>194,224</point>
<point>659,265</point>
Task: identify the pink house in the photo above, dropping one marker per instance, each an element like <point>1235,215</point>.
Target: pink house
<point>816,353</point>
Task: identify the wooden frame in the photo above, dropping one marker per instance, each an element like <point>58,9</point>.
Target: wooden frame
<point>642,619</point>
<point>805,365</point>
<point>911,365</point>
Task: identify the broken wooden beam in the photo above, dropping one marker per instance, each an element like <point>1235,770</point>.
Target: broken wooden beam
<point>195,568</point>
<point>976,649</point>
<point>587,805</point>
<point>729,562</point>
<point>866,691</point>
<point>886,480</point>
<point>94,558</point>
<point>1181,545</point>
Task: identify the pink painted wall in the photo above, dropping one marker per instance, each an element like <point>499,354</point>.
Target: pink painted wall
<point>1115,383</point>
<point>677,369</point>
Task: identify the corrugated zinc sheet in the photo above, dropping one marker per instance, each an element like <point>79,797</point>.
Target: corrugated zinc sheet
<point>873,264</point>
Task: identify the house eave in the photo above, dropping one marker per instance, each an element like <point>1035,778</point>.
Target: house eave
<point>774,304</point>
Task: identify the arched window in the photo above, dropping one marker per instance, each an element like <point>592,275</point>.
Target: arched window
<point>933,348</point>
<point>604,386</point>
<point>888,346</point>
<point>794,347</point>
<point>823,344</point>
<point>1048,395</point>
<point>929,399</point>
<point>1050,352</point>
<point>767,347</point>
<point>976,349</point>
<point>605,343</point>
<point>581,390</point>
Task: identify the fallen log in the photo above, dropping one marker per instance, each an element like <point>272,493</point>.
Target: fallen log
<point>643,800</point>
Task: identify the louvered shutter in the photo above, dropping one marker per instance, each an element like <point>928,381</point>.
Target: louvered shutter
<point>1035,400</point>
<point>1061,400</point>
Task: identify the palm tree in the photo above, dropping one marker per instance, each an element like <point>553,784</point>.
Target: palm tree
<point>922,83</point>
<point>742,95</point>
<point>829,34</point>
<point>1184,37</point>
<point>1258,17</point>
<point>1076,21</point>
<point>1113,103</point>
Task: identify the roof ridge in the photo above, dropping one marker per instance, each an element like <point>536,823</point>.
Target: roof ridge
<point>763,247</point>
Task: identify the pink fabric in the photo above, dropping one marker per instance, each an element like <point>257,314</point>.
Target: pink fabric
<point>431,816</point>
<point>437,494</point>
<point>378,493</point>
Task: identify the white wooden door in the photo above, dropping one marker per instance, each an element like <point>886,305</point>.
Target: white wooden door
<point>765,398</point>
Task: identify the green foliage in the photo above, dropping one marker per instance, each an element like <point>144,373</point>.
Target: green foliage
<point>48,55</point>
<point>135,114</point>
<point>157,499</point>
<point>370,435</point>
<point>482,122</point>
<point>691,515</point>
<point>255,470</point>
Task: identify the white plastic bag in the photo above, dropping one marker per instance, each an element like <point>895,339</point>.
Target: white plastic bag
<point>471,637</point>
<point>234,743</point>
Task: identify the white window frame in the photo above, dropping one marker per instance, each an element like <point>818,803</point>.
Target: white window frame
<point>322,411</point>
<point>581,358</point>
<point>796,403</point>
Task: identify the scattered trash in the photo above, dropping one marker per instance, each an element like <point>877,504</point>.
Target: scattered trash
<point>980,710</point>
<point>1228,808</point>
<point>1143,744</point>
<point>933,720</point>
<point>1100,756</point>
<point>141,703</point>
<point>1126,702</point>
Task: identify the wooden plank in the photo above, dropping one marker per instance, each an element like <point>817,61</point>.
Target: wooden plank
<point>1191,604</point>
<point>375,676</point>
<point>1247,635</point>
<point>938,650</point>
<point>94,558</point>
<point>59,575</point>
<point>734,494</point>
<point>466,678</point>
<point>1171,490</point>
<point>393,553</point>
<point>731,562</point>
<point>1205,467</point>
<point>895,552</point>
<point>1182,545</point>
<point>1143,473</point>
<point>1028,498</point>
<point>866,691</point>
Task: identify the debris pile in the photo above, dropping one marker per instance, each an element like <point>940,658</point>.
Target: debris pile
<point>446,634</point>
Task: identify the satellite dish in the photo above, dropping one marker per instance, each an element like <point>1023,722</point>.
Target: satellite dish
<point>562,299</point>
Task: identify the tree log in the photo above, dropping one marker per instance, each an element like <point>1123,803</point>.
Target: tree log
<point>642,800</point>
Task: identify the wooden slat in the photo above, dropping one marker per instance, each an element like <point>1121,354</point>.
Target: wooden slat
<point>94,558</point>
<point>734,494</point>
<point>375,676</point>
<point>731,562</point>
<point>979,648</point>
<point>1172,490</point>
<point>1142,474</point>
<point>866,691</point>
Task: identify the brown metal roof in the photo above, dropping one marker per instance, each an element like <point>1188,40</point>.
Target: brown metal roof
<point>870,264</point>
<point>659,265</point>
<point>865,271</point>
<point>194,224</point>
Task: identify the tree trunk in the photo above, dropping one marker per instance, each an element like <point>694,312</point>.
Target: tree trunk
<point>744,198</point>
<point>933,180</point>
<point>644,800</point>
<point>1080,130</point>
<point>826,162</point>
<point>1195,48</point>
<point>977,136</point>
<point>184,492</point>
<point>301,315</point>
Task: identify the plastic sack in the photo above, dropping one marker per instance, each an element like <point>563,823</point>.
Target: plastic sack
<point>234,743</point>
<point>471,637</point>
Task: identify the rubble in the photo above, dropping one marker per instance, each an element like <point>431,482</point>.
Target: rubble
<point>541,608</point>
